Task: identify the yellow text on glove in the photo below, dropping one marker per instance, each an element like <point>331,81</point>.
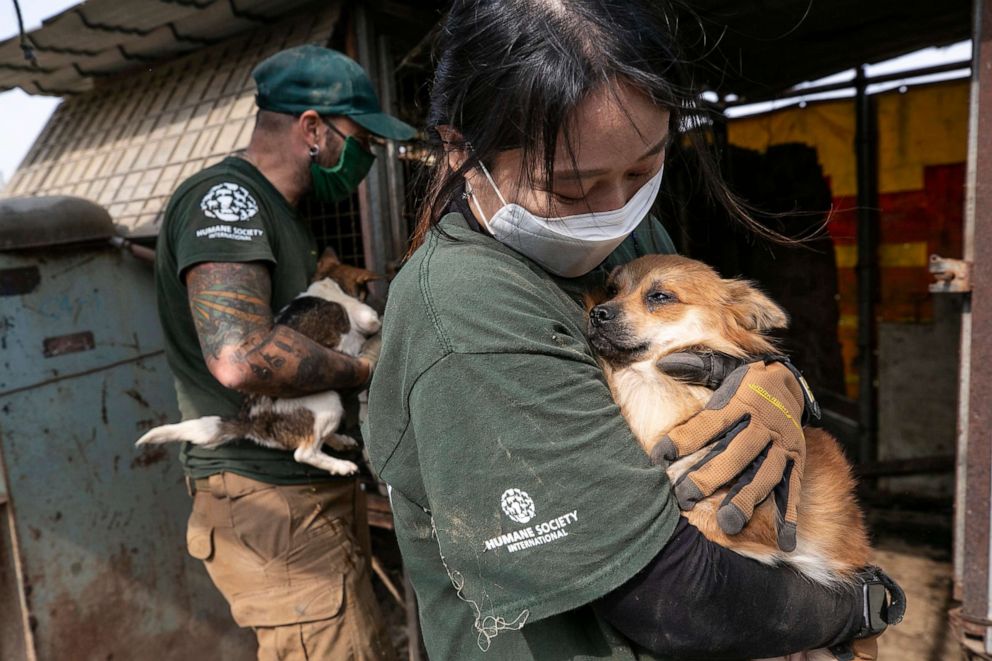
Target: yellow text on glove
<point>774,402</point>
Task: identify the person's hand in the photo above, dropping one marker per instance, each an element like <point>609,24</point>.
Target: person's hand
<point>707,369</point>
<point>754,423</point>
<point>884,605</point>
<point>369,353</point>
<point>865,649</point>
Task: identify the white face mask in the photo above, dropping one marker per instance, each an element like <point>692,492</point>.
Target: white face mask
<point>568,246</point>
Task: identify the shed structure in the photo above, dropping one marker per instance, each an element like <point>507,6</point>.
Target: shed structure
<point>93,562</point>
<point>156,90</point>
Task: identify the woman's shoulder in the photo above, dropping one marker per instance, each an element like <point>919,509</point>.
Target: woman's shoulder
<point>459,263</point>
<point>476,292</point>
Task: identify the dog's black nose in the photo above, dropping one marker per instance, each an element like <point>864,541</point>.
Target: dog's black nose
<point>602,313</point>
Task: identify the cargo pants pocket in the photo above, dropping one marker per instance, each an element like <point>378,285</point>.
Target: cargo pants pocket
<point>199,537</point>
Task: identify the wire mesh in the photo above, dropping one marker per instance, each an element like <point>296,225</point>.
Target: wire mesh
<point>412,103</point>
<point>338,226</point>
<point>128,143</point>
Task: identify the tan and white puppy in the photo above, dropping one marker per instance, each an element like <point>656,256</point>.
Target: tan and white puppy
<point>328,316</point>
<point>661,304</point>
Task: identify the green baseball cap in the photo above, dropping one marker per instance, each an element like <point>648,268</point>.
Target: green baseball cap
<point>314,78</point>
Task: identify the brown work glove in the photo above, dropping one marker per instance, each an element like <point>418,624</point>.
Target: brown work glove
<point>707,368</point>
<point>753,421</point>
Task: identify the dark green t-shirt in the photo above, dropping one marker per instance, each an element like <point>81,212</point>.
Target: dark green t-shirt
<point>228,212</point>
<point>519,493</point>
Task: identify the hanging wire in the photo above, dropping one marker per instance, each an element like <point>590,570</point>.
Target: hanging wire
<point>26,47</point>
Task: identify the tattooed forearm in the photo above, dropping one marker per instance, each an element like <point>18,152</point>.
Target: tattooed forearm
<point>302,367</point>
<point>230,304</point>
<point>242,348</point>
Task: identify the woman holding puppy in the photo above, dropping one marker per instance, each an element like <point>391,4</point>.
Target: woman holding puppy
<point>531,523</point>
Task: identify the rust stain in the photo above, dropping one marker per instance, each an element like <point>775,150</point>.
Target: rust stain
<point>136,396</point>
<point>108,620</point>
<point>149,457</point>
<point>103,402</point>
<point>72,343</point>
<point>73,266</point>
<point>6,325</point>
<point>147,423</point>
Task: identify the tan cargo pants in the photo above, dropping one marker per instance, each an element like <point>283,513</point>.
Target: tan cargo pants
<point>292,562</point>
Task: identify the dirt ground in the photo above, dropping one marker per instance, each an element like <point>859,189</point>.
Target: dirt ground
<point>926,576</point>
<point>924,572</point>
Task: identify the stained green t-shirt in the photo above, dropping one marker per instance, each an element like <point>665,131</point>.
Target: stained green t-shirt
<point>519,493</point>
<point>228,212</point>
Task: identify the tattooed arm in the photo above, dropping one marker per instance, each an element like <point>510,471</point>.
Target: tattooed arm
<point>230,302</point>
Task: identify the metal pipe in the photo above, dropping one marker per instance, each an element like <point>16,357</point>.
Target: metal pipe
<point>915,466</point>
<point>136,249</point>
<point>412,620</point>
<point>373,202</point>
<point>394,173</point>
<point>793,93</point>
<point>968,255</point>
<point>976,570</point>
<point>866,148</point>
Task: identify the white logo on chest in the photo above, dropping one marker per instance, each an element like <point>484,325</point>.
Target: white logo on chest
<point>517,505</point>
<point>229,202</point>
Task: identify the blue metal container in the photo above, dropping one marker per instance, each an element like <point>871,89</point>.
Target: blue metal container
<point>93,563</point>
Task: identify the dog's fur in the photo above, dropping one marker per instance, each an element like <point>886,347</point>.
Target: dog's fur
<point>662,304</point>
<point>331,313</point>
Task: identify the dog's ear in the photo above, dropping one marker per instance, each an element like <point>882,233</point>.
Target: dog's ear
<point>353,280</point>
<point>328,260</point>
<point>594,297</point>
<point>360,280</point>
<point>753,309</point>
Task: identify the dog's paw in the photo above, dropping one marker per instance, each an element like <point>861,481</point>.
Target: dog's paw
<point>341,442</point>
<point>342,467</point>
<point>318,459</point>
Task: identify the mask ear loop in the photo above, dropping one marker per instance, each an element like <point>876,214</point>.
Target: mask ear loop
<point>492,183</point>
<point>470,195</point>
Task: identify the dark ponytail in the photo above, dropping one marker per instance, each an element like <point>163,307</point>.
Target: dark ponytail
<point>509,74</point>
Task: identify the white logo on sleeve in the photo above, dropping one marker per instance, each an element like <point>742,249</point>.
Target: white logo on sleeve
<point>517,505</point>
<point>229,202</point>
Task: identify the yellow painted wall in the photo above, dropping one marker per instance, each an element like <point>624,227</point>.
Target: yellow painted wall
<point>922,127</point>
<point>926,126</point>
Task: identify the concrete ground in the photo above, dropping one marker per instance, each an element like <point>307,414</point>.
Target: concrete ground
<point>926,576</point>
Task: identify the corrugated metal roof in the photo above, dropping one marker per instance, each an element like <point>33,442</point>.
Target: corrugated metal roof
<point>128,143</point>
<point>101,38</point>
<point>758,49</point>
<point>753,49</point>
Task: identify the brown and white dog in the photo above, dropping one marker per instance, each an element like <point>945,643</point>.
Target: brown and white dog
<point>330,312</point>
<point>662,304</point>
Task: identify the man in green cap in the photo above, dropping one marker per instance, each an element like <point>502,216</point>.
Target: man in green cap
<point>286,544</point>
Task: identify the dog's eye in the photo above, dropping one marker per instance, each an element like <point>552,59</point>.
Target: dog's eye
<point>612,291</point>
<point>660,297</point>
